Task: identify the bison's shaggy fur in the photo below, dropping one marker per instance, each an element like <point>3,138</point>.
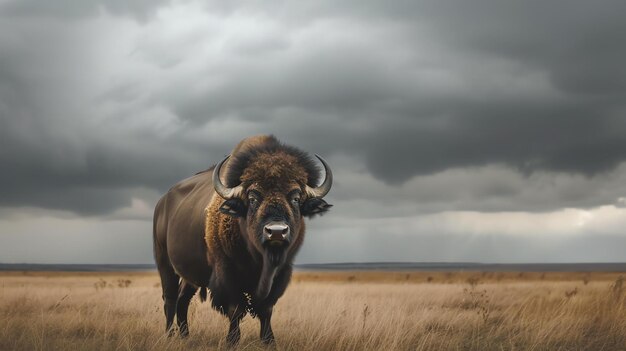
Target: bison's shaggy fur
<point>206,241</point>
<point>271,162</point>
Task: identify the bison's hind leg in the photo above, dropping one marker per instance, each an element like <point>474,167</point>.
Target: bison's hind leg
<point>185,293</point>
<point>169,284</point>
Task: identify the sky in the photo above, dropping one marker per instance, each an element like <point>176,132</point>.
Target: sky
<point>482,131</point>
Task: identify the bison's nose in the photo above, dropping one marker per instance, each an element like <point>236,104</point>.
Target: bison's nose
<point>276,231</point>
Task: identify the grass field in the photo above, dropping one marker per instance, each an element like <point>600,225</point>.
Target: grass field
<point>327,311</point>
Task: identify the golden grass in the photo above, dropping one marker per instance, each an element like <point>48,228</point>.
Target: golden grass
<point>327,311</point>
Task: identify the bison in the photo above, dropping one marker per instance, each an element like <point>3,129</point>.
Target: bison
<point>234,229</point>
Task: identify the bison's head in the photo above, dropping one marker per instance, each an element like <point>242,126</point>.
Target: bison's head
<point>270,189</point>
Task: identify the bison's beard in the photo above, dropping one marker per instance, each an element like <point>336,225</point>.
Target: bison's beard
<point>275,255</point>
<point>273,258</point>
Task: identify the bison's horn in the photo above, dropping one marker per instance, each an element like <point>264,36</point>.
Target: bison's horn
<point>220,188</point>
<point>323,189</point>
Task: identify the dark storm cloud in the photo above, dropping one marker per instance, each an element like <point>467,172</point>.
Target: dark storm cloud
<point>576,52</point>
<point>577,43</point>
<point>90,110</point>
<point>140,10</point>
<point>538,140</point>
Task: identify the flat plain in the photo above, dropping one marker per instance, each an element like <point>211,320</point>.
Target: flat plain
<point>349,310</point>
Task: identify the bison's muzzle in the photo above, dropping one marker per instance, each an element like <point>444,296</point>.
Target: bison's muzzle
<point>276,233</point>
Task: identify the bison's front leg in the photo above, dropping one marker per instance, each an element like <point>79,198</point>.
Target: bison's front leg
<point>265,316</point>
<point>235,314</point>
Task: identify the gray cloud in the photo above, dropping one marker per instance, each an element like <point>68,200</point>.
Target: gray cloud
<point>91,111</point>
<point>40,238</point>
<point>456,131</point>
<point>68,9</point>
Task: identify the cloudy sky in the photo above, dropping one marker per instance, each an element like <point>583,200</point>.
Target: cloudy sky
<point>483,131</point>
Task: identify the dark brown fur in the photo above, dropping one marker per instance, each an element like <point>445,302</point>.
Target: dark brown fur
<point>197,246</point>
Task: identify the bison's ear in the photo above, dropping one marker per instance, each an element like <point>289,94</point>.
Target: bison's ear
<point>314,206</point>
<point>233,207</point>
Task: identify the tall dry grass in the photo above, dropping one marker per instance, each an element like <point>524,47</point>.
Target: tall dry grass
<point>327,311</point>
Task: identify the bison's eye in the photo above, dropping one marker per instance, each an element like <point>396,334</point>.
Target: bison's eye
<point>253,201</point>
<point>295,200</point>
